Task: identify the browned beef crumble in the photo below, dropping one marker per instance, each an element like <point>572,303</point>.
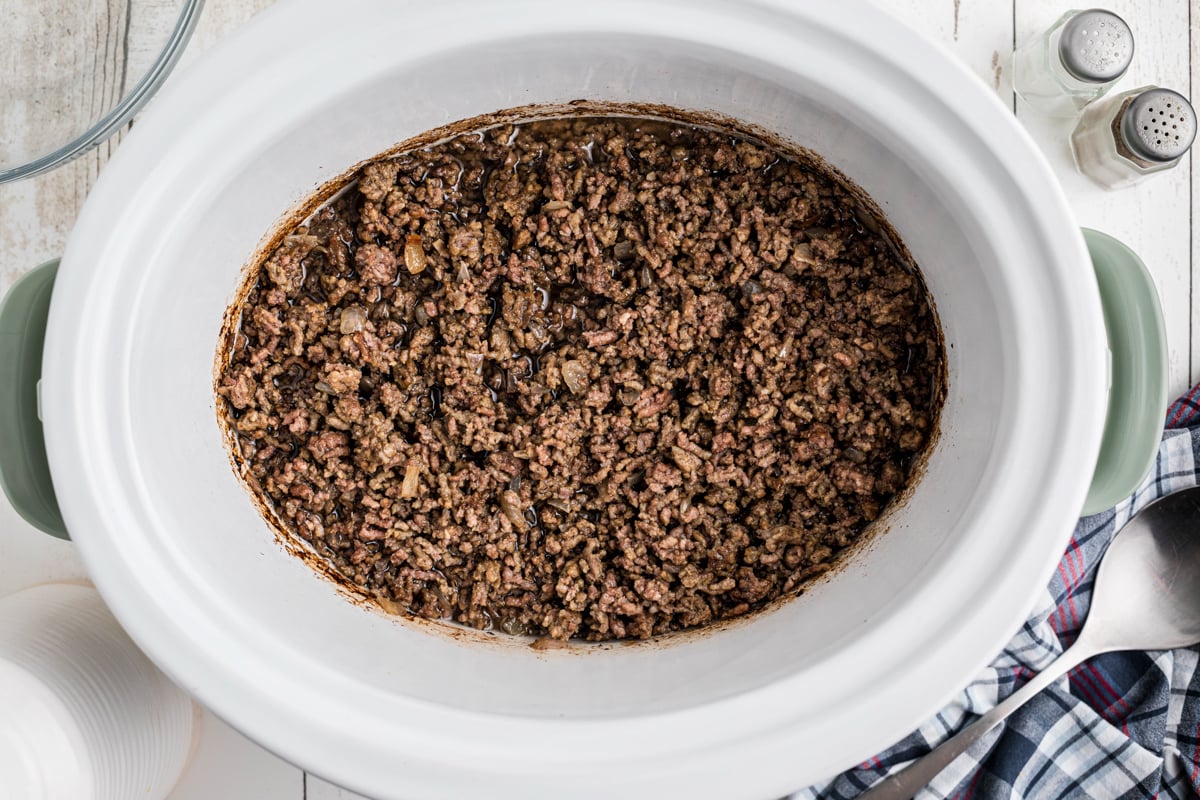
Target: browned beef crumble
<point>600,377</point>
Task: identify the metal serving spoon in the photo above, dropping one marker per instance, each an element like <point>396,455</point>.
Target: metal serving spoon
<point>1146,597</point>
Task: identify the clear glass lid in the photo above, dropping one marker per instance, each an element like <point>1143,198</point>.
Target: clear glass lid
<point>72,72</point>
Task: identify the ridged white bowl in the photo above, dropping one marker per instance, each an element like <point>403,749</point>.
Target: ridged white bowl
<point>85,715</point>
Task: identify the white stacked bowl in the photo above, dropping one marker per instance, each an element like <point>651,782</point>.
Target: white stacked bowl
<point>86,715</point>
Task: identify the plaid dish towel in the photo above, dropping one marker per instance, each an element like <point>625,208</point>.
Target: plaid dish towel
<point>1122,725</point>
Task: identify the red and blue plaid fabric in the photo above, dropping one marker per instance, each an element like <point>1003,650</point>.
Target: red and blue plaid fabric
<point>1122,725</point>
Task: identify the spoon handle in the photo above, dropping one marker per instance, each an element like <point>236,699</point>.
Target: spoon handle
<point>906,783</point>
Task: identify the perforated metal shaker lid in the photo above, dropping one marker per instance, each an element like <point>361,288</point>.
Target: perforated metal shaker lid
<point>1096,46</point>
<point>1159,125</point>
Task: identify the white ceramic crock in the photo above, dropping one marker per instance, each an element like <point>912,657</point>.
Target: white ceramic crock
<point>398,710</point>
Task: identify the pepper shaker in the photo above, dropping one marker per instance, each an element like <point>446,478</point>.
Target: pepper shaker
<point>1124,138</point>
<point>1074,62</point>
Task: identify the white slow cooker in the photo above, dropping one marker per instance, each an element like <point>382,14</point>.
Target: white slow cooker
<point>399,709</point>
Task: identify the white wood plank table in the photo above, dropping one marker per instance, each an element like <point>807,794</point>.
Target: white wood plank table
<point>1153,218</point>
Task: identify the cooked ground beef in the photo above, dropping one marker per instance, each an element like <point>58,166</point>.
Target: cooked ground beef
<point>599,377</point>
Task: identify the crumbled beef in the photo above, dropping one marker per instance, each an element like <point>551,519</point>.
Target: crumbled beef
<point>376,265</point>
<point>633,377</point>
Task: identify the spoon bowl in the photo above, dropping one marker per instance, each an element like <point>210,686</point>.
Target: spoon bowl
<point>1147,592</point>
<point>1146,597</point>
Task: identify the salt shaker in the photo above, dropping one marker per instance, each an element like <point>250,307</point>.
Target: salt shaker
<point>1124,138</point>
<point>1074,62</point>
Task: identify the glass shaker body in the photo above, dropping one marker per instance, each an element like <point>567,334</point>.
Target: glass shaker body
<point>1073,63</point>
<point>1132,135</point>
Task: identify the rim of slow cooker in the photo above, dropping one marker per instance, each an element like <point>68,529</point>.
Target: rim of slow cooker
<point>97,523</point>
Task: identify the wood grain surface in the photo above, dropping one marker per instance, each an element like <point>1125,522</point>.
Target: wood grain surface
<point>36,216</point>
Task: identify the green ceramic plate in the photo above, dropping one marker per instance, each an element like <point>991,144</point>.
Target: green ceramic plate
<point>1137,398</point>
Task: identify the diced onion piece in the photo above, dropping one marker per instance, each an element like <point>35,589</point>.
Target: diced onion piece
<point>575,375</point>
<point>510,505</point>
<point>864,215</point>
<point>389,605</point>
<point>412,480</point>
<point>414,255</point>
<point>354,319</point>
<point>804,254</point>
